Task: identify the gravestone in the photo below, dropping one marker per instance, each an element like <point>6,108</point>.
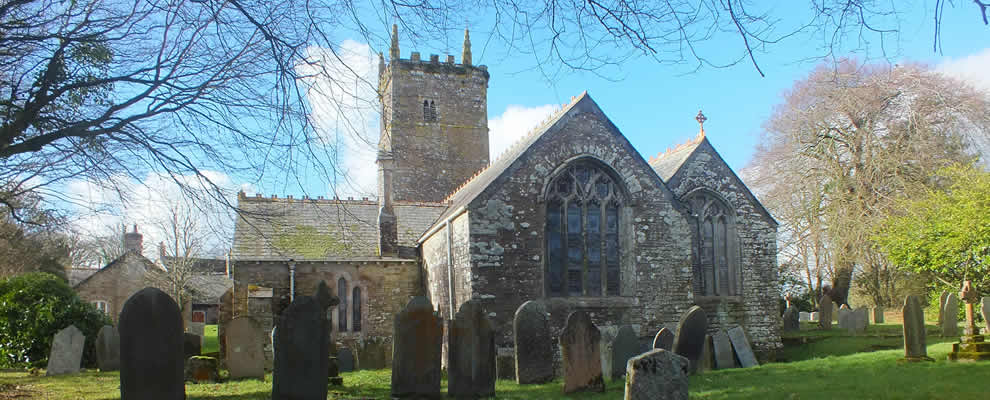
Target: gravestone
<point>860,320</point>
<point>657,375</point>
<point>985,310</point>
<point>151,350</point>
<point>804,316</point>
<point>741,345</point>
<point>792,322</point>
<point>197,328</point>
<point>245,348</point>
<point>845,319</point>
<point>67,350</point>
<point>199,369</point>
<point>471,353</point>
<point>345,359</point>
<point>835,312</point>
<point>622,347</point>
<point>418,336</point>
<point>814,316</point>
<point>915,347</point>
<point>707,360</point>
<point>825,312</point>
<point>690,338</point>
<point>534,347</point>
<point>664,340</point>
<point>950,316</point>
<point>580,351</point>
<point>302,347</point>
<point>192,344</point>
<point>724,358</point>
<point>108,349</point>
<point>225,313</point>
<point>373,353</point>
<point>941,307</point>
<point>877,313</point>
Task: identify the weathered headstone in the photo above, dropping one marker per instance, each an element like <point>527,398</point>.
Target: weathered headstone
<point>108,349</point>
<point>792,322</point>
<point>804,316</point>
<point>373,353</point>
<point>915,347</point>
<point>741,345</point>
<point>471,353</point>
<point>192,344</point>
<point>67,350</point>
<point>618,351</point>
<point>245,348</point>
<point>302,348</point>
<point>151,362</point>
<point>941,307</point>
<point>416,353</point>
<point>345,359</point>
<point>724,358</point>
<point>225,314</point>
<point>877,314</point>
<point>835,312</point>
<point>657,375</point>
<point>846,319</point>
<point>690,338</point>
<point>825,312</point>
<point>199,369</point>
<point>664,340</point>
<point>860,320</point>
<point>707,360</point>
<point>534,347</point>
<point>950,316</point>
<point>580,351</point>
<point>985,310</point>
<point>197,328</point>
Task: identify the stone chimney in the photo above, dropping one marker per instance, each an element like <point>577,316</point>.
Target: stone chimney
<point>388,230</point>
<point>133,241</point>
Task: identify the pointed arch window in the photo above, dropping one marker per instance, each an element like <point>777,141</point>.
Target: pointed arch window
<point>342,306</point>
<point>582,232</point>
<point>715,250</point>
<point>429,111</point>
<point>356,306</point>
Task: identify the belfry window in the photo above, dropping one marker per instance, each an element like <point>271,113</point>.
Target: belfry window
<point>715,254</point>
<point>582,231</point>
<point>429,111</point>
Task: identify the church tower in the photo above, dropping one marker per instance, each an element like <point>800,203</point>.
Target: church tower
<point>434,133</point>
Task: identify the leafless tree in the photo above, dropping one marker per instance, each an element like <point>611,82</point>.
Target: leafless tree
<point>185,238</point>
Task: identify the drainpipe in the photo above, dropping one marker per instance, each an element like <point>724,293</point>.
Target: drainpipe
<point>450,266</point>
<point>292,280</point>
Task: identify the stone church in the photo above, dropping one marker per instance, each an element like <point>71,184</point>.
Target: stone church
<point>571,215</point>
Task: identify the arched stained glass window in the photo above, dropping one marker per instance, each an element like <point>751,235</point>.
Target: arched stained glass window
<point>356,307</point>
<point>342,306</point>
<point>716,271</point>
<point>582,232</point>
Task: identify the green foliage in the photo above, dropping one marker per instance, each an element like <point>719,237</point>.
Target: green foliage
<point>945,232</point>
<point>33,308</point>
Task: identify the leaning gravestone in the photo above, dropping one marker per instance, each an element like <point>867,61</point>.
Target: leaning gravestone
<point>580,351</point>
<point>471,353</point>
<point>724,358</point>
<point>825,312</point>
<point>302,348</point>
<point>915,348</point>
<point>534,347</point>
<point>950,316</point>
<point>618,351</point>
<point>690,338</point>
<point>941,307</point>
<point>657,375</point>
<point>108,349</point>
<point>985,310</point>
<point>741,345</point>
<point>192,344</point>
<point>245,348</point>
<point>67,350</point>
<point>345,359</point>
<point>664,340</point>
<point>418,336</point>
<point>151,363</point>
<point>792,322</point>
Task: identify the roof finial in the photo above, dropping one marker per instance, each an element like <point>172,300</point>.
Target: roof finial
<point>466,54</point>
<point>701,121</point>
<point>393,52</point>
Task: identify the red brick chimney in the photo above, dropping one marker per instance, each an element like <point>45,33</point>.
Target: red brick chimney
<point>133,241</point>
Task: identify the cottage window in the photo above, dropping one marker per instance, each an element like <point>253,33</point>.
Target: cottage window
<point>102,305</point>
<point>582,231</point>
<point>342,306</point>
<point>356,306</point>
<point>715,254</point>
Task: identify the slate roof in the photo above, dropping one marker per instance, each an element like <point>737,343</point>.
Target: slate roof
<point>77,275</point>
<point>202,265</point>
<point>323,229</point>
<point>207,288</point>
<point>667,163</point>
<point>148,265</point>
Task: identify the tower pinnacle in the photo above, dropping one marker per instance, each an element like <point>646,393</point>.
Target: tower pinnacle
<point>466,55</point>
<point>393,51</point>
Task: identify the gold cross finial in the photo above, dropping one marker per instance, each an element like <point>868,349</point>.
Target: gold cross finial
<point>701,121</point>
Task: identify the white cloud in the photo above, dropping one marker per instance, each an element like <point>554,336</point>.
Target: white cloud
<point>972,69</point>
<point>513,124</point>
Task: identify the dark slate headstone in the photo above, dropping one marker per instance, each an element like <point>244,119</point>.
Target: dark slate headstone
<point>690,338</point>
<point>657,375</point>
<point>245,348</point>
<point>345,359</point>
<point>622,347</point>
<point>941,307</point>
<point>534,347</point>
<point>791,321</point>
<point>915,347</point>
<point>471,353</point>
<point>151,362</point>
<point>741,345</point>
<point>108,349</point>
<point>724,358</point>
<point>664,340</point>
<point>302,348</point>
<point>67,350</point>
<point>580,350</point>
<point>416,354</point>
<point>950,316</point>
<point>192,345</point>
<point>825,312</point>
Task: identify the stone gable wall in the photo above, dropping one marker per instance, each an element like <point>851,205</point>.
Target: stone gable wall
<point>116,284</point>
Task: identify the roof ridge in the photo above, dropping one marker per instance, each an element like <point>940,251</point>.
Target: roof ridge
<point>691,142</point>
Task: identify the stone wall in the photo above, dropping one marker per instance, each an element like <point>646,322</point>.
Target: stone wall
<point>116,283</point>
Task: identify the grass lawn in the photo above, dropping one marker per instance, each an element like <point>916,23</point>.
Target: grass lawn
<point>819,365</point>
<point>210,344</point>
